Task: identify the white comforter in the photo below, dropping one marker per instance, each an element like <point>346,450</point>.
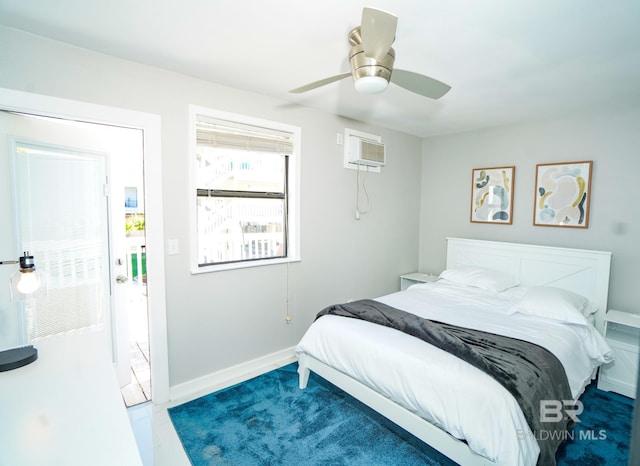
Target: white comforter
<point>440,387</point>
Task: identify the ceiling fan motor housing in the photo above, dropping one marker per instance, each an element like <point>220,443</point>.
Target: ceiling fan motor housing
<point>362,66</point>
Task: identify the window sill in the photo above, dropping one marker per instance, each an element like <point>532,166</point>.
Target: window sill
<point>195,269</point>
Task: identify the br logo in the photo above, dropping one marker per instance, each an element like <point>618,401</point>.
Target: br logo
<point>556,410</point>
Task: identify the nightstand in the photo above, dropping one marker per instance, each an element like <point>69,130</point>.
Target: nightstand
<point>622,332</point>
<point>409,279</point>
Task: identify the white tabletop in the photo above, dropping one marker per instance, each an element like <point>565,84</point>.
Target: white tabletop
<point>419,276</point>
<point>625,318</point>
<point>65,408</point>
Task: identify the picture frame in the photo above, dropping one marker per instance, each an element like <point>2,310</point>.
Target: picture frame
<point>492,195</point>
<point>562,194</point>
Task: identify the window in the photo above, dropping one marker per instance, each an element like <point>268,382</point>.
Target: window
<point>63,223</point>
<point>245,185</point>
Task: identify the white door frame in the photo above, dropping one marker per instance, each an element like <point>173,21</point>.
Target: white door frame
<point>150,124</point>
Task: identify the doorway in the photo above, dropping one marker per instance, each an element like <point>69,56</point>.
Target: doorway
<point>148,126</point>
<point>138,390</point>
<point>79,212</point>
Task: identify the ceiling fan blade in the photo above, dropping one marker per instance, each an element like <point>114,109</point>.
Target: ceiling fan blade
<point>378,31</point>
<point>419,83</point>
<point>322,82</point>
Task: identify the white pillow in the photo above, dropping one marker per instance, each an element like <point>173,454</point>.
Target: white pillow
<point>479,277</point>
<point>555,303</point>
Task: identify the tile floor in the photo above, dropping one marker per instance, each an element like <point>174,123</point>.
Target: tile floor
<point>157,439</point>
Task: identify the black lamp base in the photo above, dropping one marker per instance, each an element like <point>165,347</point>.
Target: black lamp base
<point>17,357</point>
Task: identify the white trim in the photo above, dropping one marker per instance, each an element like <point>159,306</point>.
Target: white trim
<point>293,247</point>
<point>230,376</point>
<point>151,125</point>
<point>242,265</point>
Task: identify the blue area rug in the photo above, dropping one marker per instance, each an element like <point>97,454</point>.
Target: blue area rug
<point>268,420</point>
<point>603,435</point>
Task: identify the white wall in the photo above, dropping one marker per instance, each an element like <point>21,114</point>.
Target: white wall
<point>610,138</point>
<point>221,319</point>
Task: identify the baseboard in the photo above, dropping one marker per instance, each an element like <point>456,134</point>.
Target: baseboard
<point>230,376</point>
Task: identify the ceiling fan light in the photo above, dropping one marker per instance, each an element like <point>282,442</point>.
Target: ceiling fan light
<point>371,84</point>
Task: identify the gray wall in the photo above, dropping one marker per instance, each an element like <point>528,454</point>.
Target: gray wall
<point>610,138</point>
<point>221,319</point>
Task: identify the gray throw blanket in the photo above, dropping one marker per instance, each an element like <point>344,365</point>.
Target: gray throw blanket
<point>530,372</point>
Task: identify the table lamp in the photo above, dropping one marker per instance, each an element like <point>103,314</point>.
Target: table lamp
<point>24,282</point>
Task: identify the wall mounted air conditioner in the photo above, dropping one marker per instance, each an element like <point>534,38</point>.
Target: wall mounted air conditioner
<point>366,152</point>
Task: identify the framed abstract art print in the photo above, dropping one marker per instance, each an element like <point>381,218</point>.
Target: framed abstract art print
<point>562,194</point>
<point>492,195</point>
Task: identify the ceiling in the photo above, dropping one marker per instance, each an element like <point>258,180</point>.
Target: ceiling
<point>507,61</point>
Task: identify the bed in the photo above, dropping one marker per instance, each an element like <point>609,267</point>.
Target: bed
<point>454,407</point>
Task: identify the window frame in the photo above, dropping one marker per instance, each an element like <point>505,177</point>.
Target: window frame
<point>292,191</point>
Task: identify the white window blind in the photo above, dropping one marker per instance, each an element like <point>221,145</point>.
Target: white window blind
<point>62,212</point>
<point>243,194</point>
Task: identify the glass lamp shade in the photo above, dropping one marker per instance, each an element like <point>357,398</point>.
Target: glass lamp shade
<point>28,283</point>
<point>371,84</point>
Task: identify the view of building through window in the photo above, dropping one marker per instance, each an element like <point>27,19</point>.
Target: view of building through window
<point>241,180</point>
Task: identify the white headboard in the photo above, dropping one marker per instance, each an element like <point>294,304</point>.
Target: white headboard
<point>581,271</point>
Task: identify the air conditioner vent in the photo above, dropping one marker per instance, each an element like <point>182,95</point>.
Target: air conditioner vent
<point>366,152</point>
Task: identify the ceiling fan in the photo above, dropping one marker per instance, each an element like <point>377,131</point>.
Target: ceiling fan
<point>371,59</point>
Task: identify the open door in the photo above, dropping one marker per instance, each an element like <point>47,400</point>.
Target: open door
<point>69,192</point>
